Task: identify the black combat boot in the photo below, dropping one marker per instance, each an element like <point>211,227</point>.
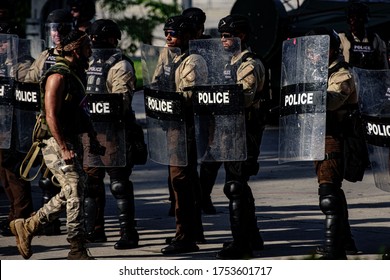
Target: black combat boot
<point>347,241</point>
<point>123,192</point>
<point>331,204</point>
<point>240,220</point>
<point>257,242</point>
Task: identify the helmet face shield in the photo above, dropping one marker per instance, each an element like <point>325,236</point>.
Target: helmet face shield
<point>55,31</point>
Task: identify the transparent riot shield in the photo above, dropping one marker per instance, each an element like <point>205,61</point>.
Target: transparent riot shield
<point>27,95</point>
<point>164,107</point>
<point>107,111</point>
<point>303,98</point>
<point>373,87</point>
<point>219,103</point>
<point>8,55</point>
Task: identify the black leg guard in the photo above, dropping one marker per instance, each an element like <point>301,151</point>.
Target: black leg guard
<point>208,175</point>
<point>124,194</point>
<point>240,221</point>
<point>91,208</point>
<point>89,217</point>
<point>255,237</point>
<point>349,243</point>
<point>331,204</point>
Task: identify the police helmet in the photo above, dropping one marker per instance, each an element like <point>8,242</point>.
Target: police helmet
<point>181,24</point>
<point>59,16</point>
<point>196,15</point>
<point>234,24</point>
<point>59,20</point>
<point>86,8</point>
<point>356,9</point>
<point>103,29</point>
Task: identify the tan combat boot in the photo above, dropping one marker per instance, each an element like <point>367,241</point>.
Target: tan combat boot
<point>78,250</point>
<point>25,230</point>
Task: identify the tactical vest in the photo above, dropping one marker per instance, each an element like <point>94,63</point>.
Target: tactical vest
<point>98,71</point>
<point>167,80</point>
<point>230,74</point>
<point>50,60</point>
<point>74,115</point>
<point>363,54</point>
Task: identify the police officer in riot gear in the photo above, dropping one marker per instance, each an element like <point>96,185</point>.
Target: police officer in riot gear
<point>341,102</point>
<point>116,76</point>
<point>198,17</point>
<point>58,25</point>
<point>184,72</point>
<point>17,190</point>
<point>360,47</point>
<point>248,70</point>
<point>363,48</point>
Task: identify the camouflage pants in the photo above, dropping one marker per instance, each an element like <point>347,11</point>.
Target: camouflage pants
<point>72,180</point>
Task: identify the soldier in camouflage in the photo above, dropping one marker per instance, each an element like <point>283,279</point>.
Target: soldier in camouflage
<point>65,111</point>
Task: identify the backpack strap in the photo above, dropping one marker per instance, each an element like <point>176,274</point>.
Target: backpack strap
<point>29,161</point>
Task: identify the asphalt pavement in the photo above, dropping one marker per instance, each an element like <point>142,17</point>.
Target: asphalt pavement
<point>286,207</point>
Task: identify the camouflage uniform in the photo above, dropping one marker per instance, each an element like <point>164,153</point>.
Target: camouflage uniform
<point>71,177</point>
<point>72,183</point>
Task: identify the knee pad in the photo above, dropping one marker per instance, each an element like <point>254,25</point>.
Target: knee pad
<point>330,200</point>
<point>121,189</point>
<point>233,189</point>
<point>45,184</point>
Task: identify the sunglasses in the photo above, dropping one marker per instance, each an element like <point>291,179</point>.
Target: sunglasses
<point>171,33</point>
<point>227,35</point>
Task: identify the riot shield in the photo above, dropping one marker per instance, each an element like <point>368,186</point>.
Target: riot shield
<point>303,98</point>
<point>107,111</point>
<point>27,95</point>
<point>164,107</point>
<point>219,104</point>
<point>373,88</point>
<point>8,55</point>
